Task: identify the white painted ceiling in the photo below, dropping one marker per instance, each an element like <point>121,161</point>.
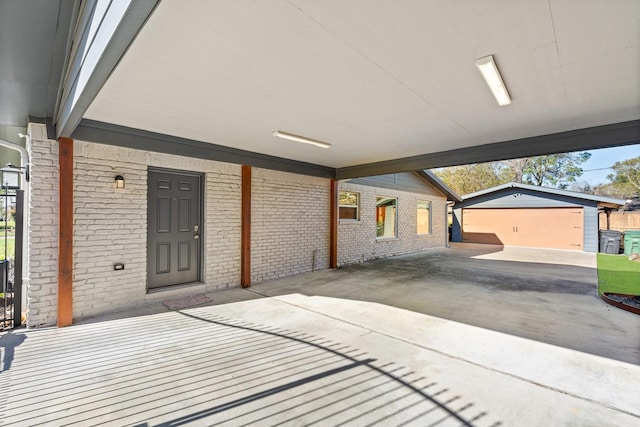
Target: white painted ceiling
<point>378,80</point>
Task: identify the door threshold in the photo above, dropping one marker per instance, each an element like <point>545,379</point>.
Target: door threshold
<point>175,287</point>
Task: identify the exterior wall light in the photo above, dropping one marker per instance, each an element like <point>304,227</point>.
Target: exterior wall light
<point>11,177</point>
<point>119,181</point>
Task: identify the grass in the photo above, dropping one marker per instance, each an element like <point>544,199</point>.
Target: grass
<point>11,246</point>
<point>10,225</point>
<point>616,273</point>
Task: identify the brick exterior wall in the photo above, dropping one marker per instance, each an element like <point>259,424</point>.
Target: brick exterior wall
<point>290,227</point>
<point>357,239</point>
<point>110,225</point>
<point>289,224</point>
<point>41,266</point>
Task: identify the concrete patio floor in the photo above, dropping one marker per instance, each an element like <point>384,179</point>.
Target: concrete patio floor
<point>540,294</point>
<point>321,351</point>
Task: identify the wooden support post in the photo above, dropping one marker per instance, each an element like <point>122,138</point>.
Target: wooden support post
<point>65,233</point>
<point>245,245</point>
<point>333,227</point>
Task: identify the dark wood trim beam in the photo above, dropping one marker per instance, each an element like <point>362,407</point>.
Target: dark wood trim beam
<point>612,135</point>
<point>333,228</point>
<point>65,233</point>
<point>122,136</point>
<point>245,245</point>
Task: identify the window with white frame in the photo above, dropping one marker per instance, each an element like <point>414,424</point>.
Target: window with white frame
<point>348,206</point>
<point>386,217</point>
<point>423,217</point>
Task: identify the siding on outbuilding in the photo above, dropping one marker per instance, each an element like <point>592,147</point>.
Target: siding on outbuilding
<point>591,228</point>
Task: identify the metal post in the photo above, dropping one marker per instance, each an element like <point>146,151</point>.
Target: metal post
<point>17,276</point>
<point>5,270</point>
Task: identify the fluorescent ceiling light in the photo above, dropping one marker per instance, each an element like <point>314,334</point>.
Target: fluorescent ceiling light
<point>489,70</point>
<point>298,138</point>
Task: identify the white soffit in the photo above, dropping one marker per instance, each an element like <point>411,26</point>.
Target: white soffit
<point>377,80</point>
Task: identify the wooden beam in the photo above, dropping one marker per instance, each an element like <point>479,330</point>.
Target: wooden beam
<point>245,245</point>
<point>333,227</point>
<point>65,233</point>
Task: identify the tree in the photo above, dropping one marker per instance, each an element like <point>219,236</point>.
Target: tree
<point>513,170</point>
<point>556,170</point>
<point>612,190</point>
<point>582,187</point>
<point>626,176</point>
<point>553,170</point>
<point>470,178</point>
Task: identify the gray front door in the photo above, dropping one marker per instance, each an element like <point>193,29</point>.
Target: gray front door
<point>174,227</point>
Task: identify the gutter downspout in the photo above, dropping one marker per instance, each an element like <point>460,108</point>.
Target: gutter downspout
<point>24,155</point>
<point>447,237</point>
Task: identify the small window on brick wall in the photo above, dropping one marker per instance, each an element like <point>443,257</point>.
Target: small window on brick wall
<point>348,205</point>
<point>423,218</point>
<point>386,217</point>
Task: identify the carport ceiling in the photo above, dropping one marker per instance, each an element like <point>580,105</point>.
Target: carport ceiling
<point>378,80</point>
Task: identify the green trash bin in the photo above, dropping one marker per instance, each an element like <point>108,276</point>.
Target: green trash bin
<point>631,242</point>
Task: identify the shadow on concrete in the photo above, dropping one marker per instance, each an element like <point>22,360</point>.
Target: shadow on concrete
<point>551,298</point>
<point>218,371</point>
<point>554,303</point>
<point>8,342</point>
<point>363,389</point>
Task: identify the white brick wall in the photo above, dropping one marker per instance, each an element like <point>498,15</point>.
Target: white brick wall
<point>110,225</point>
<point>289,223</point>
<point>290,226</point>
<point>357,239</point>
<point>41,267</point>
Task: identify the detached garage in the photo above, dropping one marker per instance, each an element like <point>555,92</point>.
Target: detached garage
<point>526,215</point>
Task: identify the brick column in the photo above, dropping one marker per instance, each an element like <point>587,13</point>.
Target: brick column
<point>42,230</point>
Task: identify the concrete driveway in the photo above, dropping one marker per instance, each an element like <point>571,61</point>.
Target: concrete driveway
<point>541,294</point>
<point>321,351</point>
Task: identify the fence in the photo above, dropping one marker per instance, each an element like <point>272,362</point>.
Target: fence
<point>11,265</point>
<point>7,293</point>
<point>620,220</point>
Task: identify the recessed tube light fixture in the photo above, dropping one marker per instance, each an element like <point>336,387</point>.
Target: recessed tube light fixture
<point>489,70</point>
<point>303,139</point>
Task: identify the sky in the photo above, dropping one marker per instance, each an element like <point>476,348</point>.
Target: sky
<point>599,165</point>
